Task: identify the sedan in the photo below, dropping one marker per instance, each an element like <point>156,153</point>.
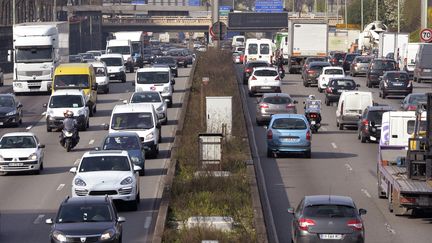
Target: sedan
<point>154,98</point>
<point>335,88</point>
<point>288,133</point>
<point>377,68</point>
<point>412,100</point>
<point>264,80</point>
<point>369,126</point>
<point>170,61</point>
<point>11,110</point>
<point>327,74</point>
<point>360,65</point>
<point>313,70</point>
<point>250,66</point>
<point>331,218</point>
<point>274,103</point>
<point>395,83</point>
<point>21,151</point>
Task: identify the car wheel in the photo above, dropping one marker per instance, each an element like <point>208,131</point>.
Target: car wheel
<point>41,167</point>
<point>165,121</point>
<point>319,89</point>
<point>419,80</point>
<point>337,124</point>
<point>3,173</point>
<point>308,154</point>
<point>132,205</point>
<point>251,94</point>
<point>245,81</point>
<point>106,91</point>
<point>91,111</point>
<point>258,122</point>
<point>353,74</point>
<point>368,84</point>
<point>384,95</point>
<point>341,126</point>
<point>327,102</point>
<point>88,123</point>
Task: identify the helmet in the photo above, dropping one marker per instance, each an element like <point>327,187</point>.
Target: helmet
<point>68,113</point>
<point>311,97</point>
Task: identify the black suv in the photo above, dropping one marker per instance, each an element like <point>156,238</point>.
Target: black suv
<point>335,88</point>
<point>395,83</point>
<point>86,219</point>
<point>349,58</point>
<point>377,68</point>
<point>369,127</point>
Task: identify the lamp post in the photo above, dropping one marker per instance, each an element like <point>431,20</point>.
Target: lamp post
<point>13,12</point>
<point>376,10</point>
<point>398,16</point>
<point>346,16</point>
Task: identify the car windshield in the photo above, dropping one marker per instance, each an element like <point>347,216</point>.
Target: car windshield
<point>289,124</point>
<point>124,121</point>
<point>124,50</point>
<point>71,81</point>
<point>153,77</point>
<point>350,57</point>
<point>175,52</point>
<point>88,213</point>
<point>112,61</point>
<point>363,59</point>
<point>383,64</point>
<point>277,100</point>
<point>6,101</point>
<point>334,72</point>
<point>150,97</point>
<point>104,163</point>
<point>415,99</point>
<point>99,71</point>
<point>397,77</point>
<point>339,56</point>
<point>375,116</point>
<point>264,49</point>
<point>75,59</point>
<point>253,49</point>
<point>14,142</point>
<point>87,56</point>
<point>343,83</point>
<point>165,60</point>
<point>329,211</point>
<point>316,59</point>
<point>121,143</point>
<point>318,68</point>
<point>95,53</point>
<point>32,54</point>
<point>265,73</point>
<point>66,101</point>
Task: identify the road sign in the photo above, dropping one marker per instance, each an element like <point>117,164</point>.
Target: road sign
<point>218,30</point>
<point>194,2</point>
<point>224,10</point>
<point>426,35</point>
<point>268,6</point>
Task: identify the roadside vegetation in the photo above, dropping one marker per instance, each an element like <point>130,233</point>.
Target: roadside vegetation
<point>208,195</point>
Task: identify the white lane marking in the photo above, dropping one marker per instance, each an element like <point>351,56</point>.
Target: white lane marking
<point>147,222</point>
<point>44,113</point>
<point>39,219</point>
<point>91,142</point>
<point>348,167</point>
<point>29,127</point>
<point>60,187</point>
<point>366,193</point>
<point>334,145</point>
<point>389,228</point>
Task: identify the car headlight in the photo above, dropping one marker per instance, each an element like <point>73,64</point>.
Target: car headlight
<point>81,112</point>
<point>11,113</point>
<point>160,108</point>
<point>126,181</point>
<point>59,236</point>
<point>33,156</point>
<point>175,67</point>
<point>135,159</point>
<point>107,234</point>
<point>149,136</point>
<point>79,182</point>
<point>165,90</point>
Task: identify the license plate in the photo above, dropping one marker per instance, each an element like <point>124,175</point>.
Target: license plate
<point>424,201</point>
<point>313,122</point>
<point>289,139</point>
<point>340,91</point>
<point>1,123</point>
<point>397,84</point>
<point>112,75</point>
<point>34,84</point>
<point>265,87</point>
<point>330,236</point>
<point>427,70</point>
<point>16,164</point>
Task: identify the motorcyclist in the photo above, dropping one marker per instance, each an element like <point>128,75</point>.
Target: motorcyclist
<point>70,123</point>
<point>280,63</point>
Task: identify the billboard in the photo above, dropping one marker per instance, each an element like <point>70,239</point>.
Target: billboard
<point>139,2</point>
<point>194,2</point>
<point>268,6</point>
<point>253,20</point>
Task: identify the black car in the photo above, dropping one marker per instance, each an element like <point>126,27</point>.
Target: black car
<point>376,69</point>
<point>180,56</point>
<point>312,72</point>
<point>309,60</point>
<point>170,61</point>
<point>147,56</point>
<point>11,111</point>
<point>249,67</point>
<point>369,127</point>
<point>75,59</point>
<point>335,88</point>
<point>348,60</point>
<point>86,219</point>
<point>336,58</point>
<point>395,83</point>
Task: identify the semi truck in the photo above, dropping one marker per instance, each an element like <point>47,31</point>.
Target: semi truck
<point>38,48</point>
<point>302,41</point>
<point>404,168</point>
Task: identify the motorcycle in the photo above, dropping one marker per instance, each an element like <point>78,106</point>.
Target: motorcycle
<point>313,114</point>
<point>69,137</point>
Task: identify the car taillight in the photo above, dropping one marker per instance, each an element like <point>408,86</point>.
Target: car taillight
<point>290,106</point>
<point>412,108</point>
<point>269,134</point>
<point>407,200</point>
<point>308,135</point>
<point>365,122</point>
<point>248,70</point>
<point>305,223</point>
<point>254,78</point>
<point>329,90</point>
<point>310,71</point>
<point>264,106</point>
<point>277,78</point>
<point>355,224</point>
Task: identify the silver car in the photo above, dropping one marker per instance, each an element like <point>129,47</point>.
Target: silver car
<point>154,98</point>
<point>274,103</point>
<point>360,65</point>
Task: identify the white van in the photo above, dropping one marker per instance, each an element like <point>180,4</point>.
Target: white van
<point>409,54</point>
<point>259,49</point>
<point>102,78</point>
<point>351,106</point>
<point>115,66</point>
<point>140,118</point>
<point>155,79</point>
<point>398,127</point>
<point>238,40</point>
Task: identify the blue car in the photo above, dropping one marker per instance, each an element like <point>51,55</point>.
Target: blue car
<point>130,142</point>
<point>288,133</point>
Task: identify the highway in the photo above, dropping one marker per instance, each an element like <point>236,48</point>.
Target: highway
<point>340,165</point>
<point>27,200</point>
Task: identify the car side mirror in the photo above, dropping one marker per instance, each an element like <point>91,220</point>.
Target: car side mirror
<point>121,219</point>
<point>73,170</point>
<point>105,126</point>
<point>295,102</point>
<point>41,146</point>
<point>49,221</point>
<point>362,211</point>
<point>158,125</point>
<point>373,123</point>
<point>291,210</point>
<point>45,105</point>
<point>136,168</point>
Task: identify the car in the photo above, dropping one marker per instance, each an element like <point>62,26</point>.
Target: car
<point>87,57</point>
<point>21,151</point>
<point>75,59</point>
<point>154,98</point>
<point>11,110</point>
<point>327,74</point>
<point>423,64</point>
<point>128,141</point>
<point>390,55</point>
<point>155,53</point>
<point>360,65</point>
<point>95,53</point>
<point>189,55</point>
<point>237,57</point>
<point>107,172</point>
<point>156,79</point>
<point>86,219</point>
<point>115,65</point>
<point>202,48</point>
<point>369,127</point>
<point>336,86</point>
<point>395,83</point>
<point>412,100</point>
<point>274,103</point>
<point>264,80</point>
<point>308,61</point>
<point>147,57</point>
<point>102,78</point>
<point>250,66</point>
<point>349,57</point>
<point>336,58</point>
<point>170,61</point>
<point>67,99</point>
<point>1,77</point>
<point>312,71</point>
<point>376,69</point>
<point>288,133</point>
<point>180,56</point>
<point>332,218</point>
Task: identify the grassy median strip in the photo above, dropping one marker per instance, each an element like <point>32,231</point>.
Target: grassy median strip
<point>208,195</point>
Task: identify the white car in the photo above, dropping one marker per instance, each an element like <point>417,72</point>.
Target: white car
<point>327,74</point>
<point>102,78</point>
<point>111,173</point>
<point>21,151</point>
<point>115,65</point>
<point>264,80</point>
<point>155,79</point>
<point>154,98</point>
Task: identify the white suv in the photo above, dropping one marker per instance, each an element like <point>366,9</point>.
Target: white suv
<point>107,172</point>
<point>264,80</point>
<point>155,79</point>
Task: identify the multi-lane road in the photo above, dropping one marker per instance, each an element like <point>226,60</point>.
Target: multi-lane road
<point>27,200</point>
<point>340,165</point>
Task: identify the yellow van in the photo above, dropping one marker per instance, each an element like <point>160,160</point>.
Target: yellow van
<point>77,76</point>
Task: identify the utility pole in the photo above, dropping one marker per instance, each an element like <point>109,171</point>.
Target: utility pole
<point>361,27</point>
<point>13,12</point>
<point>376,10</point>
<point>54,11</point>
<point>215,18</point>
<point>423,7</point>
<point>346,16</point>
<point>398,16</point>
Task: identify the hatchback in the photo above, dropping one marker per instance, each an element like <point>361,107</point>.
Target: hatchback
<point>264,80</point>
<point>360,65</point>
<point>335,88</point>
<point>376,69</point>
<point>369,127</point>
<point>11,110</point>
<point>250,66</point>
<point>348,60</point>
<point>395,83</point>
<point>288,133</point>
<point>412,100</point>
<point>154,98</point>
<point>274,103</point>
<point>320,218</point>
<point>312,59</point>
<point>336,59</point>
<point>312,72</point>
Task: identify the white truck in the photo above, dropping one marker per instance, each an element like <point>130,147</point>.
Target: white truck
<point>123,47</point>
<point>391,45</point>
<point>137,41</point>
<point>369,38</point>
<point>302,43</point>
<point>408,57</point>
<point>38,48</point>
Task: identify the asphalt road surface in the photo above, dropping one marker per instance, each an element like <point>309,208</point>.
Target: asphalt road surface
<point>27,200</point>
<point>340,165</point>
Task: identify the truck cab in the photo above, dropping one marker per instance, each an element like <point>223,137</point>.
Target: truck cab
<point>123,47</point>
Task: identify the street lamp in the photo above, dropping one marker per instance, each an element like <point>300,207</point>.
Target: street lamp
<point>361,27</point>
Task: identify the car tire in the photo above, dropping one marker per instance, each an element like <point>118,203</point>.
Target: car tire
<point>368,84</point>
<point>251,94</point>
<point>123,80</point>
<point>165,121</point>
<point>308,154</point>
<point>419,80</point>
<point>384,95</point>
<point>353,74</point>
<point>106,91</point>
<point>341,126</point>
<point>132,205</point>
<point>41,167</point>
<point>327,102</point>
<point>358,134</point>
<point>245,81</point>
<point>185,66</point>
<point>319,89</point>
<point>88,123</point>
<point>3,173</point>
